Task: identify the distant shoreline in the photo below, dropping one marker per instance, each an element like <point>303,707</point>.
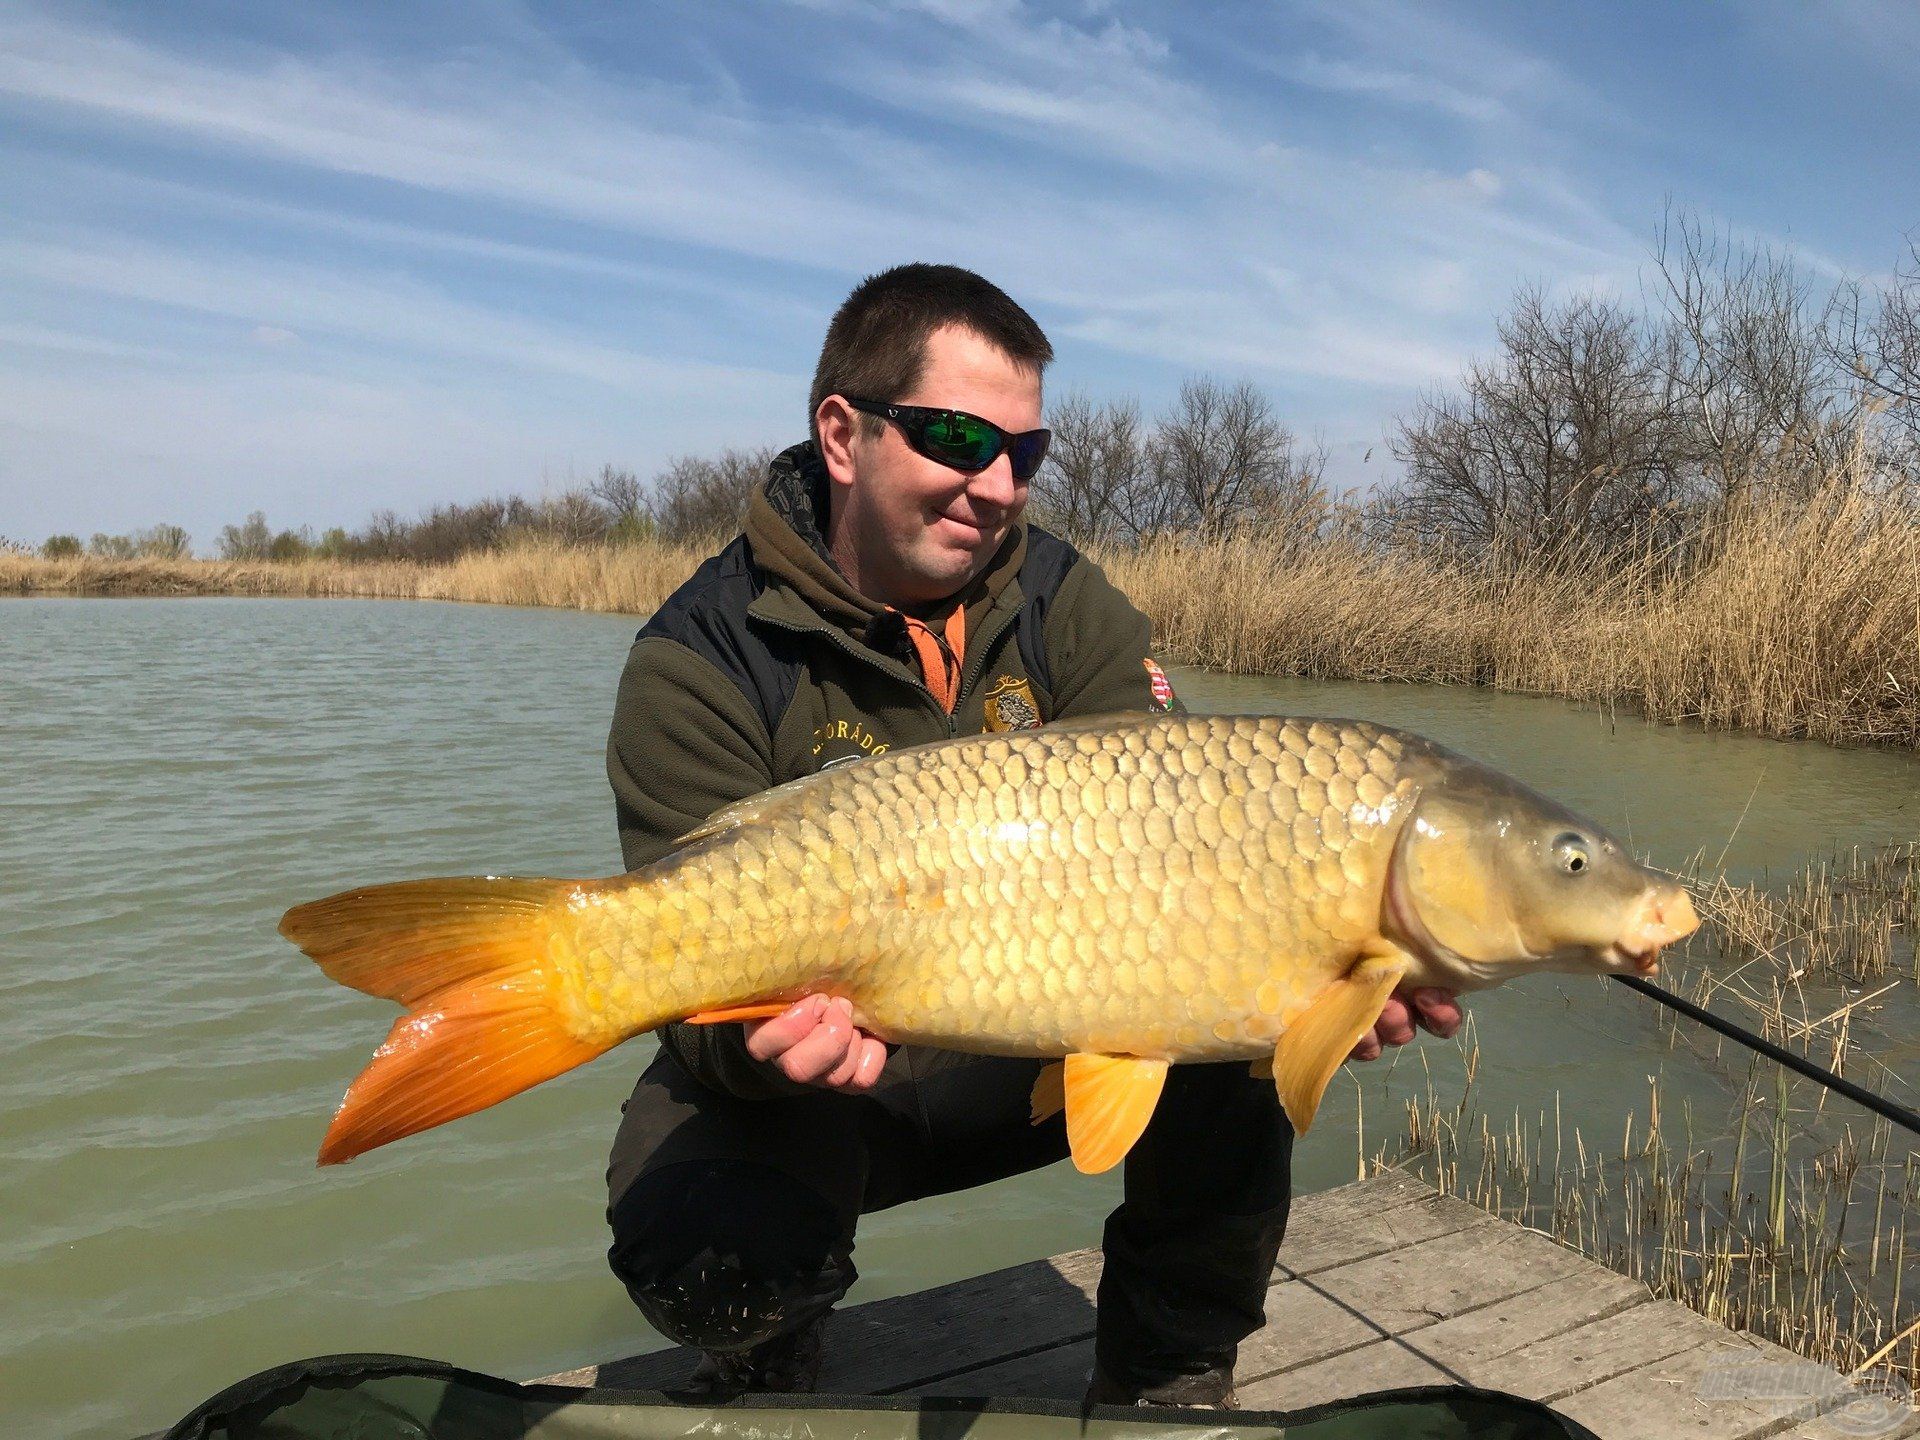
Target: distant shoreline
<point>1802,622</point>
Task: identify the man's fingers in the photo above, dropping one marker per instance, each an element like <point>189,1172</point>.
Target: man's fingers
<point>1437,1010</point>
<point>861,1068</point>
<point>818,1055</point>
<point>873,1059</point>
<point>1395,1025</point>
<point>844,1072</point>
<point>1368,1046</point>
<point>767,1039</point>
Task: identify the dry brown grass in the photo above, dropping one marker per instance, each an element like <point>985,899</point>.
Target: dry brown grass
<point>624,579</point>
<point>1804,621</point>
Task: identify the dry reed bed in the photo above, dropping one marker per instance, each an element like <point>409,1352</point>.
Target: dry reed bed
<point>1803,621</point>
<point>623,579</point>
<point>1796,1219</point>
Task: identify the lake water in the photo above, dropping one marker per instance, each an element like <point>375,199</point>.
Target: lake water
<point>175,773</point>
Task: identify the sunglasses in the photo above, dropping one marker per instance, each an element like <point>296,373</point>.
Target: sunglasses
<point>966,442</point>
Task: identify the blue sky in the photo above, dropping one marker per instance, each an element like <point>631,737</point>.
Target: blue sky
<point>321,259</point>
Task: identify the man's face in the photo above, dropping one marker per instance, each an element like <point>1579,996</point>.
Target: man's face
<point>909,530</point>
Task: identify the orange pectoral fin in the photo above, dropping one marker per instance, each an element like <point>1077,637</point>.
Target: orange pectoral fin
<point>739,1012</point>
<point>1110,1099</point>
<point>1313,1046</point>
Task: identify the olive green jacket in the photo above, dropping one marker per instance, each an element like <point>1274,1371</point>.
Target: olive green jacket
<point>767,665</point>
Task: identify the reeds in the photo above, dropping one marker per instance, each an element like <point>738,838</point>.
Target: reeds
<point>1796,619</point>
<point>1790,1220</point>
<point>624,579</point>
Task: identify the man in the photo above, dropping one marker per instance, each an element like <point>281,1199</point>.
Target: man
<point>885,593</point>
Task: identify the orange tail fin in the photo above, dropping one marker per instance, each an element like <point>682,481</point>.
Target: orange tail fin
<point>467,957</point>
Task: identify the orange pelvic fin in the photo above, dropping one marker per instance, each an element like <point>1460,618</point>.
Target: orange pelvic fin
<point>739,1012</point>
<point>1110,1099</point>
<point>468,959</point>
<point>1049,1092</point>
<point>1313,1046</point>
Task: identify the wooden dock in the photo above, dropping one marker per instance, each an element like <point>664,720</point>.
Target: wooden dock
<point>1381,1284</point>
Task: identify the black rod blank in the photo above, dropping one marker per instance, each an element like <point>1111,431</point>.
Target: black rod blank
<point>1879,1104</point>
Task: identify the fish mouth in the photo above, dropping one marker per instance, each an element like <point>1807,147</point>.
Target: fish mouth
<point>1664,915</point>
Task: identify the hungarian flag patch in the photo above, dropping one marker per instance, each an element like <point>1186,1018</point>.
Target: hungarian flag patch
<point>1162,689</point>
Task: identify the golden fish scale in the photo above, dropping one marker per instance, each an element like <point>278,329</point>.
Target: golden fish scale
<point>1178,886</point>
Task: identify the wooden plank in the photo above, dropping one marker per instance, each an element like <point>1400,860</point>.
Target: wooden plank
<point>1819,1408</point>
<point>1415,1286</point>
<point>1314,1319</point>
<point>892,1344</point>
<point>1421,1212</point>
<point>1321,1240</point>
<point>1423,1315</point>
<point>1663,1400</point>
<point>1059,1374</point>
<point>1382,1365</point>
<point>888,1344</point>
<point>1856,1425</point>
<point>1534,1317</point>
<point>1591,1354</point>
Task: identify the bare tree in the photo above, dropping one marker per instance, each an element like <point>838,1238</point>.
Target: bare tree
<point>1751,361</point>
<point>163,542</point>
<point>1095,472</point>
<point>1222,457</point>
<point>621,492</point>
<point>1566,440</point>
<point>247,541</point>
<point>1876,339</point>
<point>574,517</point>
<point>696,498</point>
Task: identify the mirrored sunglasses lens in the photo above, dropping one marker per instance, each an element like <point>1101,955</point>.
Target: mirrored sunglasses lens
<point>1027,451</point>
<point>960,440</point>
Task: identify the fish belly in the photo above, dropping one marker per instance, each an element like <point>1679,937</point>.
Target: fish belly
<point>1174,887</point>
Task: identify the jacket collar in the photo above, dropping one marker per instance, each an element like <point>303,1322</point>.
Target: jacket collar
<point>786,528</point>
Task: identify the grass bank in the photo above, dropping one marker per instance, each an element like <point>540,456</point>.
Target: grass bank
<point>1796,619</point>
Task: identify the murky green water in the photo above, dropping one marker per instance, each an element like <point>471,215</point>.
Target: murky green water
<point>175,773</point>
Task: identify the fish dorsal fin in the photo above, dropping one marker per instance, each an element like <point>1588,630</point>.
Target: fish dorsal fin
<point>747,811</point>
<point>1313,1046</point>
<point>1109,1099</point>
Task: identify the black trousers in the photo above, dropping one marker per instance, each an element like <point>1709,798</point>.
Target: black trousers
<point>733,1220</point>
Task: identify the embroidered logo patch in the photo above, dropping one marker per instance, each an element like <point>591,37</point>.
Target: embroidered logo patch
<point>1162,688</point>
<point>1010,705</point>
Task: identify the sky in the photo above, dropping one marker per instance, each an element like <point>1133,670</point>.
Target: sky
<point>323,259</point>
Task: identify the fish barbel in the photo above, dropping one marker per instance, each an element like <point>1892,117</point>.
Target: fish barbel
<point>1125,892</point>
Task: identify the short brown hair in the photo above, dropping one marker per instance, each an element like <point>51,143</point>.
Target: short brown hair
<point>876,346</point>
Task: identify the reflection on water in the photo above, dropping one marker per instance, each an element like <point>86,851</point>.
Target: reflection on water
<point>174,774</point>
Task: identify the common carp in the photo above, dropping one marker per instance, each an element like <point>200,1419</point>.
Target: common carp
<point>1126,892</point>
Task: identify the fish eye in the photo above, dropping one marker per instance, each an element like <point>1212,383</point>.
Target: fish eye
<point>1571,853</point>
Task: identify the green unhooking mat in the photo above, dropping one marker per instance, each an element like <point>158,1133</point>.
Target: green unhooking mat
<point>391,1397</point>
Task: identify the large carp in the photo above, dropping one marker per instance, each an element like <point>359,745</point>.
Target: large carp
<point>1127,892</point>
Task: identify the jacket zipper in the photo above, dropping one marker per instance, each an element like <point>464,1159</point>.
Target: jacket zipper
<point>876,662</point>
<point>969,674</point>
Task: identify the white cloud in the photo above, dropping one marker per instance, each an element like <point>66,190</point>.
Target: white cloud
<point>1399,86</point>
<point>1084,164</point>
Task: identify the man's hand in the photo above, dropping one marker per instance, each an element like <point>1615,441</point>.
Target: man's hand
<point>815,1042</point>
<point>1434,1009</point>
